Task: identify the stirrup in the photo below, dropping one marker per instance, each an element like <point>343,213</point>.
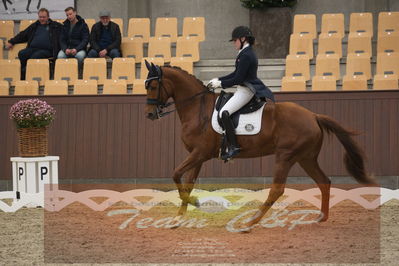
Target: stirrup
<point>231,152</point>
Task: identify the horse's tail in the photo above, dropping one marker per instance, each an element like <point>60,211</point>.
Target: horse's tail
<point>354,157</point>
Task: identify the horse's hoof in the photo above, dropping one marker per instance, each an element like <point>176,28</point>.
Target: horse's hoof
<point>322,218</point>
<point>197,203</point>
<point>245,228</point>
<point>194,201</point>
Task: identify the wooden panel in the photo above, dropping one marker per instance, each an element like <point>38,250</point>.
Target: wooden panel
<point>109,136</point>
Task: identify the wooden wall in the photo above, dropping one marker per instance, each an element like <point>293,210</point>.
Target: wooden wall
<point>109,137</point>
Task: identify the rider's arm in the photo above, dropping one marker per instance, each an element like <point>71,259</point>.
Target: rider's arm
<point>239,75</point>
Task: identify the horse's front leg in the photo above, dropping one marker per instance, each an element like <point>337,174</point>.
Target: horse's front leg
<point>192,164</point>
<point>187,187</point>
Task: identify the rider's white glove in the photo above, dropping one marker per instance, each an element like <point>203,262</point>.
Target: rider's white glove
<point>215,83</point>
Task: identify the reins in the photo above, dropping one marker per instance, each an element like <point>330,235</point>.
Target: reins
<point>160,106</point>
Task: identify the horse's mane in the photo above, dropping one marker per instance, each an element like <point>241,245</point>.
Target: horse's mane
<point>185,72</point>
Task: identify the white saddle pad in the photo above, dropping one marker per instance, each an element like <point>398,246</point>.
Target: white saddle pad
<point>248,124</point>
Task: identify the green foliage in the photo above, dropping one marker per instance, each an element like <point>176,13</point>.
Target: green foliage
<point>260,4</point>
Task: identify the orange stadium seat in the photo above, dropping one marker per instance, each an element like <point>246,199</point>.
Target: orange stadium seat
<point>305,24</point>
<point>359,43</point>
<point>119,21</point>
<point>194,26</point>
<point>388,62</point>
<point>385,82</point>
<point>115,86</point>
<point>358,64</point>
<point>56,87</point>
<point>361,23</point>
<point>90,22</point>
<point>26,87</point>
<point>13,53</point>
<point>39,70</point>
<point>297,65</point>
<point>132,47</point>
<point>166,27</point>
<point>330,44</point>
<point>354,82</point>
<point>301,44</point>
<point>184,63</point>
<point>139,28</point>
<point>66,69</point>
<point>188,47</point>
<point>333,23</point>
<point>95,68</point>
<point>61,21</point>
<point>388,42</point>
<point>124,69</point>
<point>324,83</point>
<point>25,23</point>
<point>328,65</point>
<point>6,29</point>
<point>4,88</point>
<point>388,22</point>
<point>10,70</point>
<point>293,83</point>
<point>85,87</point>
<point>160,47</point>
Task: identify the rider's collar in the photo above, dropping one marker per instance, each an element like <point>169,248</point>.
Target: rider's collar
<point>245,46</point>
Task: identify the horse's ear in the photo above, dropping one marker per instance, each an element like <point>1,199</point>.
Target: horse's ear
<point>153,68</point>
<point>147,65</point>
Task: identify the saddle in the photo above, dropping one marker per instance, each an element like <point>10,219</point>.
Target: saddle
<point>253,105</point>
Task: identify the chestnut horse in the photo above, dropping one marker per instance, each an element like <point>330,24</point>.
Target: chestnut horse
<point>291,132</point>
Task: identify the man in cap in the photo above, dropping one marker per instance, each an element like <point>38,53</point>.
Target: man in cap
<point>105,37</point>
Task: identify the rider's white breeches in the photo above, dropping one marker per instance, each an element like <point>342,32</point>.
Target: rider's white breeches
<point>240,98</point>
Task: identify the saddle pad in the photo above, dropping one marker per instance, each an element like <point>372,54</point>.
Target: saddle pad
<point>248,124</point>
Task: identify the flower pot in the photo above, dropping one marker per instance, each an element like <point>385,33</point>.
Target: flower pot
<point>33,142</point>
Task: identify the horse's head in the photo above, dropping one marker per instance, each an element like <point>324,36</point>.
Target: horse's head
<point>156,92</point>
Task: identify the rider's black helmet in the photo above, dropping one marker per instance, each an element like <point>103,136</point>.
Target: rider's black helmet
<point>242,31</point>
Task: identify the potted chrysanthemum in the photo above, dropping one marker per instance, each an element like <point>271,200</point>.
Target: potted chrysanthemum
<point>32,118</point>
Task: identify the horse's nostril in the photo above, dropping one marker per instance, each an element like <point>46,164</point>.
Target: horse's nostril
<point>151,116</point>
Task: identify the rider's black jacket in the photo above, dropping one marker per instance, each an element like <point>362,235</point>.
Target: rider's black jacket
<point>245,74</point>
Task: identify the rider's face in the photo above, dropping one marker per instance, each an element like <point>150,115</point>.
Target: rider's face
<point>237,43</point>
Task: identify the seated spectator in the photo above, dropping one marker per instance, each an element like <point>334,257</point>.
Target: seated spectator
<point>43,39</point>
<point>74,36</point>
<point>105,37</point>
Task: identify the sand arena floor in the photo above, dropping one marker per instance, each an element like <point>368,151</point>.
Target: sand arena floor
<point>77,234</point>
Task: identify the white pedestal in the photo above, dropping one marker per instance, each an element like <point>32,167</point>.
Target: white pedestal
<point>31,174</point>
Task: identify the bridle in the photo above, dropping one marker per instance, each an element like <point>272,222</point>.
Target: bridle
<point>156,74</point>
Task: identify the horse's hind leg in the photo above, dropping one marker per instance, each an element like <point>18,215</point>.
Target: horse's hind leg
<point>312,168</point>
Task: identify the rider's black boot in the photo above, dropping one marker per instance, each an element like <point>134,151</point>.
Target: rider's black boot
<point>233,148</point>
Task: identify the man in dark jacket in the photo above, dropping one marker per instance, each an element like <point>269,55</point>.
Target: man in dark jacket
<point>74,36</point>
<point>43,39</point>
<point>105,37</point>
